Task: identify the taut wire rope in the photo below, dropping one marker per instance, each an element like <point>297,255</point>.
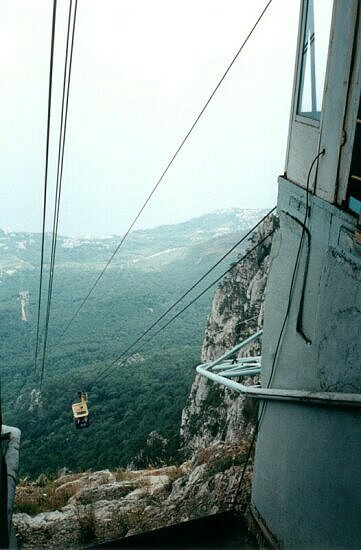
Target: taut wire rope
<point>98,278</point>
<point>59,177</point>
<point>45,180</point>
<point>172,319</point>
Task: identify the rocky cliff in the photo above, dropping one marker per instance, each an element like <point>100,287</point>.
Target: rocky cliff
<point>214,414</point>
<point>99,506</point>
<point>215,429</point>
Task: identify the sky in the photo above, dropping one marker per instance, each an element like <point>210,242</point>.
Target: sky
<point>142,71</point>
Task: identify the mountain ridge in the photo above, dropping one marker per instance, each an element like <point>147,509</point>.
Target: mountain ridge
<point>245,215</point>
<point>21,250</point>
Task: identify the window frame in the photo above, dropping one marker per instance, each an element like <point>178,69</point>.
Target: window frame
<point>354,97</point>
<point>304,132</point>
<point>301,77</point>
<point>307,137</point>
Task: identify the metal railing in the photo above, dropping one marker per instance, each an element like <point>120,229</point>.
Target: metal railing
<point>222,371</point>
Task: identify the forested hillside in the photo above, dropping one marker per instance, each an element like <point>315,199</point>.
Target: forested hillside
<point>148,393</point>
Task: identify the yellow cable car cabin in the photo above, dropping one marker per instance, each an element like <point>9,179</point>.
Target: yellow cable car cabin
<point>81,412</point>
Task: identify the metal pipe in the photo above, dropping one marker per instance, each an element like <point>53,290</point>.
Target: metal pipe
<point>240,373</point>
<point>241,367</point>
<point>235,349</point>
<point>235,367</point>
<point>250,359</point>
<point>303,396</point>
<point>241,360</point>
<point>227,362</point>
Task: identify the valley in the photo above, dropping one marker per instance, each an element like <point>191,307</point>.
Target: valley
<point>147,393</point>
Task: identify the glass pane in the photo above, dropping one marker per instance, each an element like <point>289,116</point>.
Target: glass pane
<point>314,57</point>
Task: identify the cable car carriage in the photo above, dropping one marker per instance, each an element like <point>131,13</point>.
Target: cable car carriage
<point>81,412</point>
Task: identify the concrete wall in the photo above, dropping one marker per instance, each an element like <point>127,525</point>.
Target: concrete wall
<point>12,466</point>
<point>307,481</point>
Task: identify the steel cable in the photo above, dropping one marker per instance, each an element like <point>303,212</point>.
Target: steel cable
<point>172,319</point>
<point>60,162</point>
<point>45,180</point>
<point>98,278</point>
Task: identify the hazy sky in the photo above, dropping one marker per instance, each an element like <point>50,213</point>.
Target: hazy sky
<point>142,70</point>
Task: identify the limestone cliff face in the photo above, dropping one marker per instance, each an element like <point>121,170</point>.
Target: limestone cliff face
<point>214,414</point>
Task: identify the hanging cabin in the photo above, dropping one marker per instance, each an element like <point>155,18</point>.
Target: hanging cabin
<point>81,412</point>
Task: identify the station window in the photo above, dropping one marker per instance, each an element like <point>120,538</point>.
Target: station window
<point>314,58</point>
<point>354,184</point>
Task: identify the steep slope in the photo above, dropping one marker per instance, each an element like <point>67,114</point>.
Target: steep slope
<point>215,429</point>
<point>213,413</point>
<point>155,267</point>
<point>100,506</point>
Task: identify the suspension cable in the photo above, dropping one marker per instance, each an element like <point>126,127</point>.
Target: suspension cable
<point>102,374</point>
<point>236,245</point>
<point>98,278</point>
<point>61,148</point>
<point>45,179</point>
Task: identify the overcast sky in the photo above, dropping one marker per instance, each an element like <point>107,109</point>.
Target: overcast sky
<point>142,71</point>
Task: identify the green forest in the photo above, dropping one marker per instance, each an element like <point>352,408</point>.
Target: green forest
<point>145,394</point>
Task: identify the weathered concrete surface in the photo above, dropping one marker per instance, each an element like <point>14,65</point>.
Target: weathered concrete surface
<point>307,458</point>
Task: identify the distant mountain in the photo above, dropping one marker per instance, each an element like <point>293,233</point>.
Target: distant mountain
<point>204,227</point>
<point>144,248</point>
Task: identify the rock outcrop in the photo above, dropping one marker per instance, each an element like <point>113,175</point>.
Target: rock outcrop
<point>152,453</point>
<point>108,506</point>
<point>214,414</point>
